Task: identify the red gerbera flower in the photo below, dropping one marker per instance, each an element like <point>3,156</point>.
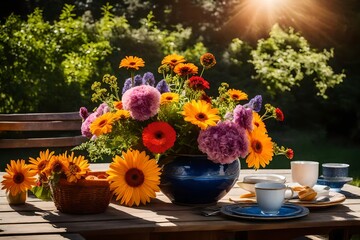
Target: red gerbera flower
<point>197,83</point>
<point>279,114</point>
<point>158,137</point>
<point>289,153</point>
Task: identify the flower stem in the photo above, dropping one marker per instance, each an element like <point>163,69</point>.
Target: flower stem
<point>202,71</point>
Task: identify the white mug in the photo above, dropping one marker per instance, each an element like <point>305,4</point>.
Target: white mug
<point>270,196</point>
<point>306,173</point>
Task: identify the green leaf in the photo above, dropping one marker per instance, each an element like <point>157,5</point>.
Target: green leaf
<point>42,192</point>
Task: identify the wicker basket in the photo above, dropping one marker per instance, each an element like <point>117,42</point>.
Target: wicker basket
<point>83,197</point>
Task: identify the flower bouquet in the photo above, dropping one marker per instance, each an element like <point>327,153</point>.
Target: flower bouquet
<point>145,119</point>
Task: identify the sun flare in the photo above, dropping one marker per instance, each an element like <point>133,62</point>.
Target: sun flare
<point>258,16</point>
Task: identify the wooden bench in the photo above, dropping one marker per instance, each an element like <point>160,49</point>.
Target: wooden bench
<point>38,130</point>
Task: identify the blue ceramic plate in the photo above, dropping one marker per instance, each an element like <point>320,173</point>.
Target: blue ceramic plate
<point>252,211</point>
<point>334,184</point>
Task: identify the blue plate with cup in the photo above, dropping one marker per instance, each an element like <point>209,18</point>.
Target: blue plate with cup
<point>334,175</point>
<point>253,211</point>
<point>270,198</point>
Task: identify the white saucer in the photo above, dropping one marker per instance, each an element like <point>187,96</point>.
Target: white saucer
<point>249,182</point>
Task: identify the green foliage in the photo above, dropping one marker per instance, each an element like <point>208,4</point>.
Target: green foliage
<point>284,59</point>
<point>43,64</point>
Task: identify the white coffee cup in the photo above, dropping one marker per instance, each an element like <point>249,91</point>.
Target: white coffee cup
<point>306,173</point>
<point>270,196</point>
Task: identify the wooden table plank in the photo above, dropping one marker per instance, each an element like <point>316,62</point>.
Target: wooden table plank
<point>70,236</point>
<point>161,219</point>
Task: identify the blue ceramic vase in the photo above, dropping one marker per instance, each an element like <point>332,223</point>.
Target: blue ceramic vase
<point>195,180</point>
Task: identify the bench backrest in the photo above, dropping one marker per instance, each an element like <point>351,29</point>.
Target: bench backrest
<point>67,122</point>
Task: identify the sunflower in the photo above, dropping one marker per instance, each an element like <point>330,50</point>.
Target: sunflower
<point>19,177</point>
<point>121,114</point>
<point>40,163</point>
<point>102,124</point>
<point>78,167</point>
<point>237,95</point>
<point>58,164</point>
<point>169,97</point>
<point>200,113</point>
<point>260,149</point>
<point>158,137</point>
<point>172,60</point>
<point>257,122</point>
<point>185,69</point>
<point>134,177</point>
<point>132,62</point>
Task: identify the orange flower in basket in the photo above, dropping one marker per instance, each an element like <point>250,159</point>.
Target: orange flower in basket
<point>78,167</point>
<point>40,163</point>
<point>134,178</point>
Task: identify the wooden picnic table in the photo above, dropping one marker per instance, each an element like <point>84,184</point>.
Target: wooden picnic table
<point>163,220</point>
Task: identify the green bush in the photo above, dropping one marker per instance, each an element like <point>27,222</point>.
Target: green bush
<point>49,67</point>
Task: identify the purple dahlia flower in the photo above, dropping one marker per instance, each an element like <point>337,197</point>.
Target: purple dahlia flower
<point>224,142</point>
<point>142,102</point>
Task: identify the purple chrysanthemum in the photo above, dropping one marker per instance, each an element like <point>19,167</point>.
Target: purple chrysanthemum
<point>83,112</point>
<point>142,102</point>
<point>127,85</point>
<point>85,126</point>
<point>224,142</point>
<point>243,117</point>
<point>255,103</point>
<point>162,87</point>
<point>149,79</point>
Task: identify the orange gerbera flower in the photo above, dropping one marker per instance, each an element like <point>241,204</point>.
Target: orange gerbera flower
<point>131,62</point>
<point>185,69</point>
<point>102,124</point>
<point>169,97</point>
<point>121,114</point>
<point>257,122</point>
<point>200,113</point>
<point>260,149</point>
<point>237,95</point>
<point>173,59</point>
<point>118,105</point>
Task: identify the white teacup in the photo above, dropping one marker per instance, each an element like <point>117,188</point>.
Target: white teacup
<point>270,196</point>
<point>306,173</point>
